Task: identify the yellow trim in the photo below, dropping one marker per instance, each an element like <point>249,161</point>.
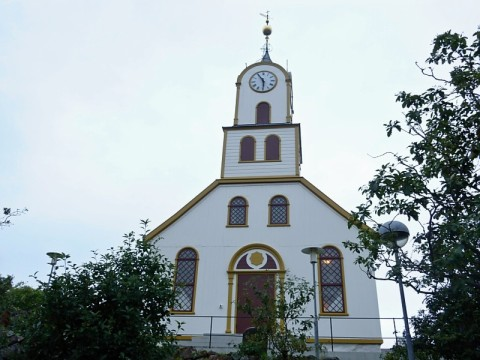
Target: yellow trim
<point>183,337</point>
<point>173,312</point>
<point>248,180</point>
<point>194,293</point>
<point>311,340</point>
<point>229,306</point>
<point>324,314</point>
<point>261,126</point>
<point>346,341</point>
<point>254,149</point>
<point>344,289</point>
<point>244,249</point>
<point>279,148</point>
<point>232,273</point>
<point>229,209</point>
<point>260,161</point>
<point>222,170</point>
<point>235,119</point>
<point>298,151</point>
<point>288,81</point>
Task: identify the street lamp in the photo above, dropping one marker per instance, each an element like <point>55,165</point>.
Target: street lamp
<point>54,256</point>
<point>397,234</point>
<point>314,252</point>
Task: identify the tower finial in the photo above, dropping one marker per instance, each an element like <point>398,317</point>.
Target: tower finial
<point>267,31</point>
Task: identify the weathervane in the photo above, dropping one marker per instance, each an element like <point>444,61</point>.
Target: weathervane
<point>267,31</point>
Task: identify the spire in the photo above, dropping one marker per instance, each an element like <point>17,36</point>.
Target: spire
<point>267,31</point>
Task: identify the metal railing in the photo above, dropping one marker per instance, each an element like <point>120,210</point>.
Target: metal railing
<point>330,328</point>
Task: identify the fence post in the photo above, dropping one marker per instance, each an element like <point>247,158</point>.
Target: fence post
<point>331,334</point>
<point>211,326</point>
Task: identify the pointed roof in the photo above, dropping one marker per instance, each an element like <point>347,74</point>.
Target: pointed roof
<point>267,31</point>
<point>266,56</point>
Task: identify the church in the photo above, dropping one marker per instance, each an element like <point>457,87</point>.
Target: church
<point>253,222</point>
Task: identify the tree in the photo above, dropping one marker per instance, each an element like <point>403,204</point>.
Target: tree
<point>7,214</point>
<point>279,320</point>
<point>113,307</point>
<point>18,305</point>
<point>437,186</point>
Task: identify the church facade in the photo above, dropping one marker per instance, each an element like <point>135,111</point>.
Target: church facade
<point>253,222</point>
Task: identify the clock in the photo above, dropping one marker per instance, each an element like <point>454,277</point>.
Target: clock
<point>263,81</point>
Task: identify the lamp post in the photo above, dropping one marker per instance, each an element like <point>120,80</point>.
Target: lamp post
<point>54,256</point>
<point>314,252</point>
<point>397,234</point>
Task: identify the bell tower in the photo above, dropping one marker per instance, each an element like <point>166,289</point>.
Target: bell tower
<point>263,141</point>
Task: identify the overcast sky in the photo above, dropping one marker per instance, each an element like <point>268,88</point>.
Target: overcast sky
<point>111,110</point>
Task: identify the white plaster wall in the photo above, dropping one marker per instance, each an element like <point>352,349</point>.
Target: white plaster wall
<point>288,149</point>
<point>277,98</point>
<point>312,223</point>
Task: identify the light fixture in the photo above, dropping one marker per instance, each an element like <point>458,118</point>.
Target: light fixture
<point>396,234</point>
<point>314,252</point>
<point>54,256</point>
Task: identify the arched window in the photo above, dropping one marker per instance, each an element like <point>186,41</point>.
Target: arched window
<point>331,281</point>
<point>263,113</point>
<point>237,211</point>
<point>272,147</point>
<point>278,210</point>
<point>247,149</point>
<point>185,278</point>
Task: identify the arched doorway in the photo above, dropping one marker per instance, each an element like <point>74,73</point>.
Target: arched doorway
<point>251,267</point>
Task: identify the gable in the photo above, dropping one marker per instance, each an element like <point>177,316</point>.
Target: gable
<point>239,181</point>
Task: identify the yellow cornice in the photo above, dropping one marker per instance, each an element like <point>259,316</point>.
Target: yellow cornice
<point>263,126</point>
<point>311,340</point>
<point>346,341</point>
<point>249,180</point>
<point>183,337</point>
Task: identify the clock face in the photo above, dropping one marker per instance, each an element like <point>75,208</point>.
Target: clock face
<point>263,81</point>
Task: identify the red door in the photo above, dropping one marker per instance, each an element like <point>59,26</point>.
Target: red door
<point>247,284</point>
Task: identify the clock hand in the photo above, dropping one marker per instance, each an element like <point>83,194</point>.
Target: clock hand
<point>263,81</point>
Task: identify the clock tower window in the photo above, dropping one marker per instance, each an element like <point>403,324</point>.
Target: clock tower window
<point>263,113</point>
<point>247,149</point>
<point>272,148</point>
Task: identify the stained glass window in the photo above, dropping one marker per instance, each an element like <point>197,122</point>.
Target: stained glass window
<point>237,211</point>
<point>279,210</point>
<point>185,276</point>
<point>331,281</point>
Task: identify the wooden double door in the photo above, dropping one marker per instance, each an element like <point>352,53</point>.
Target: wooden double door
<point>248,285</point>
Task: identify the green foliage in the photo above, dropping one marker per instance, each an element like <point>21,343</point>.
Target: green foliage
<point>113,307</point>
<point>18,306</point>
<point>399,352</point>
<point>279,320</point>
<point>437,186</point>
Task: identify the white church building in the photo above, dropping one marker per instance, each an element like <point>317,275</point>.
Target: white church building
<point>253,222</point>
